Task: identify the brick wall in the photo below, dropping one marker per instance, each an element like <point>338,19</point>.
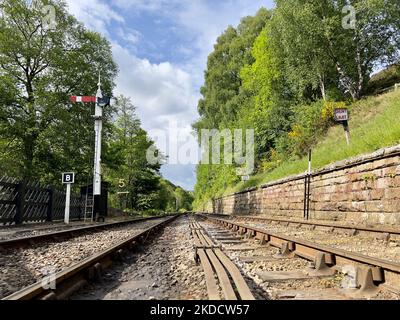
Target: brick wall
<point>365,189</point>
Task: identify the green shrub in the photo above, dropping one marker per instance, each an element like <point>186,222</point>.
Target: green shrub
<point>384,79</point>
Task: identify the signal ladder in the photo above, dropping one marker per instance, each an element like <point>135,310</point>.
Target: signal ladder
<point>89,205</point>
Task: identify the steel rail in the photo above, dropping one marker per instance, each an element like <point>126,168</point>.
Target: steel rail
<point>388,230</point>
<point>71,232</point>
<point>383,270</point>
<point>71,279</point>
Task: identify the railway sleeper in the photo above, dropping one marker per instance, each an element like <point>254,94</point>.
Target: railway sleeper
<point>368,279</point>
<point>217,265</point>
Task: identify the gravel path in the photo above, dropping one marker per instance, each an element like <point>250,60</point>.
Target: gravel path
<point>326,288</point>
<point>25,266</point>
<point>164,269</point>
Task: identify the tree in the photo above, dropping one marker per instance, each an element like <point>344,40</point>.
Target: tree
<point>221,101</point>
<point>375,41</point>
<point>283,72</point>
<point>166,200</point>
<point>317,51</point>
<point>264,86</point>
<point>171,198</point>
<point>184,199</point>
<point>39,68</point>
<point>130,142</point>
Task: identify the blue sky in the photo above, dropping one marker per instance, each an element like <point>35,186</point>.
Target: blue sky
<point>161,47</point>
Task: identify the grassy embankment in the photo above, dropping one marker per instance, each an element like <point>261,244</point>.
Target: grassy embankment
<point>374,124</point>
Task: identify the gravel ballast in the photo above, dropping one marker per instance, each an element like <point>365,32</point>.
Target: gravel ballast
<point>364,243</point>
<point>164,269</point>
<point>315,288</point>
<point>25,266</point>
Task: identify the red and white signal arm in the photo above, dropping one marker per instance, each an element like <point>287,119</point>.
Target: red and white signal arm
<point>68,177</point>
<point>104,101</point>
<point>341,115</point>
<point>83,99</point>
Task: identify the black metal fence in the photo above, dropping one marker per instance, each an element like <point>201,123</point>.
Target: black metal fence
<point>32,202</point>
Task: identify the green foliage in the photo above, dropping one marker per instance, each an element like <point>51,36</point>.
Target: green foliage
<point>184,200</point>
<point>371,127</point>
<point>385,79</point>
<point>221,100</point>
<point>317,51</point>
<point>212,180</point>
<point>310,123</point>
<point>298,31</point>
<point>39,69</point>
<point>136,183</point>
<point>171,198</point>
<point>129,170</point>
<point>263,84</point>
<point>298,64</point>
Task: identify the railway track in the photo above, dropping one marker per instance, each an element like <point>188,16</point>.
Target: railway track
<point>384,232</point>
<point>182,263</point>
<point>199,257</point>
<point>93,258</point>
<point>368,275</point>
<point>17,231</point>
<point>216,263</point>
<point>380,245</point>
<point>49,235</point>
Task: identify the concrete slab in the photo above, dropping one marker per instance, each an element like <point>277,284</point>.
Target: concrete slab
<point>235,241</point>
<point>276,276</point>
<point>227,238</point>
<point>259,259</point>
<point>221,234</point>
<point>241,248</point>
<point>311,294</point>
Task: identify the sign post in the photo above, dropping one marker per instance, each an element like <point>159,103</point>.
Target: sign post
<point>307,187</point>
<point>98,127</point>
<point>68,178</point>
<point>341,115</point>
<point>100,102</point>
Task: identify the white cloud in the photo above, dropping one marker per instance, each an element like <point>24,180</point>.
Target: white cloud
<point>182,175</point>
<point>206,21</point>
<point>159,90</point>
<point>201,20</point>
<point>165,92</point>
<point>96,15</point>
<point>132,37</point>
<point>148,5</point>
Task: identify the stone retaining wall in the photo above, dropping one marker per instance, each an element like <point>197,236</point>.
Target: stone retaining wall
<point>365,189</point>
